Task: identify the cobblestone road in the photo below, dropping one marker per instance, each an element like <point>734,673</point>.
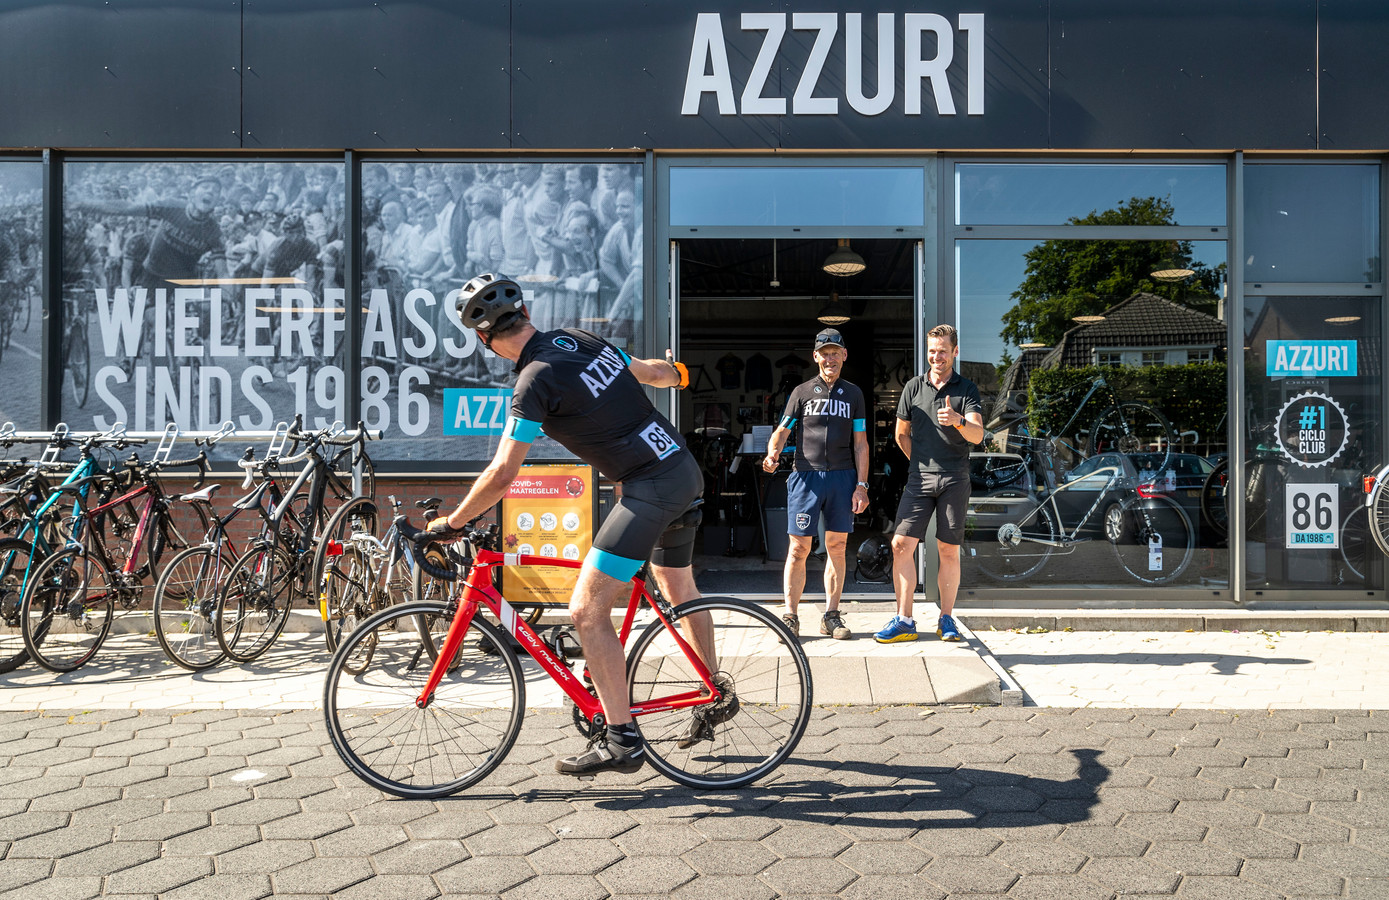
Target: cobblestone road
<point>892,802</point>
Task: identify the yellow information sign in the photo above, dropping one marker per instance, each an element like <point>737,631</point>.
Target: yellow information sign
<point>549,510</point>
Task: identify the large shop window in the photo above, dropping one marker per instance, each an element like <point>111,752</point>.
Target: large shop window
<point>801,196</point>
<point>1311,223</point>
<point>197,293</point>
<point>21,307</point>
<point>570,233</point>
<point>1103,369</point>
<point>1059,194</point>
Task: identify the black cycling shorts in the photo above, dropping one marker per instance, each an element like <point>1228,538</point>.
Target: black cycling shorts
<point>650,521</point>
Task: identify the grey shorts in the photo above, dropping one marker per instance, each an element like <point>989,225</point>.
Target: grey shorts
<point>942,494</point>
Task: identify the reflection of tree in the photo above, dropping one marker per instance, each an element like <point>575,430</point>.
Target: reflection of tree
<point>1068,278</point>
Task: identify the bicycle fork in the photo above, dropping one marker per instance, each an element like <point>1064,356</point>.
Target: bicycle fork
<point>457,629</point>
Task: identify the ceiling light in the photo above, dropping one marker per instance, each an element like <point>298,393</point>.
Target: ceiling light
<point>1033,345</point>
<point>1342,320</point>
<point>844,261</point>
<point>1087,320</point>
<point>835,313</point>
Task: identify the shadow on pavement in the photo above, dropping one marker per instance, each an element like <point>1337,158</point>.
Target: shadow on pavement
<point>881,795</point>
<point>1222,663</point>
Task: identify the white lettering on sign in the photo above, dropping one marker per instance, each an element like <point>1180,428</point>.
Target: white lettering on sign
<point>709,71</point>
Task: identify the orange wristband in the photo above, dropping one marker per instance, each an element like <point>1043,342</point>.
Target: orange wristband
<point>684,374</point>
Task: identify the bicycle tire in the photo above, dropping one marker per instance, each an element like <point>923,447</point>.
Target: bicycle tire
<point>78,363</point>
<point>1379,511</point>
<point>254,604</point>
<point>1215,500</point>
<point>1133,428</point>
<point>762,665</point>
<point>347,599</point>
<point>30,295</point>
<point>63,626</point>
<point>15,562</point>
<point>185,601</point>
<point>1131,524</point>
<point>1355,542</point>
<point>1256,498</point>
<point>457,739</point>
<point>165,535</point>
<point>356,515</point>
<point>1004,545</point>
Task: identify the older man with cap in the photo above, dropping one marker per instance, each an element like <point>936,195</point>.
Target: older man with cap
<point>828,417</point>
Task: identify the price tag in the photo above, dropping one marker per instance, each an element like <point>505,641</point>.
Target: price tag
<point>1312,513</point>
<point>1155,553</point>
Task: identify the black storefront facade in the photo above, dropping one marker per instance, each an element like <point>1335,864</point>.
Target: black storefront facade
<point>1168,215</point>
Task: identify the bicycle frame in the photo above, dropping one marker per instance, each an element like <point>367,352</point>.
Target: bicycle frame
<point>478,591</point>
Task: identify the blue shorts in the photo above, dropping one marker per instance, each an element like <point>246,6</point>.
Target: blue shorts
<point>810,493</point>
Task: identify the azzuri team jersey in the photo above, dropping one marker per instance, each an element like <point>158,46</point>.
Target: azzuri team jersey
<point>576,387</point>
<point>822,419</point>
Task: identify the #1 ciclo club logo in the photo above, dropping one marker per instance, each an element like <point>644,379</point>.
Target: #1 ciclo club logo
<point>1312,429</point>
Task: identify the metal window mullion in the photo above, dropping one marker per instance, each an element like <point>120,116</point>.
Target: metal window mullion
<point>1090,232</point>
<point>1235,360</point>
<point>50,391</point>
<point>352,264</point>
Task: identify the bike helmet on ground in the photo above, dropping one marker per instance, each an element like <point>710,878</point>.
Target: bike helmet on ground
<point>488,302</point>
<point>874,559</point>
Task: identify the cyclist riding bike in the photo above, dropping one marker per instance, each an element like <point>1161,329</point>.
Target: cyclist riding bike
<point>587,395</point>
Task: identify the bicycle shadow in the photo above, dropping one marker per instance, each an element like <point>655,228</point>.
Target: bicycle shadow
<point>1222,663</point>
<point>882,795</point>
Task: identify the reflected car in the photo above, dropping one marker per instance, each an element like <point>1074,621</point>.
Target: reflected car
<point>1181,479</point>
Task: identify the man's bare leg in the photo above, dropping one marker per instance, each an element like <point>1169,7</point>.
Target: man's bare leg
<point>904,572</point>
<point>590,608</point>
<point>793,576</point>
<point>678,586</point>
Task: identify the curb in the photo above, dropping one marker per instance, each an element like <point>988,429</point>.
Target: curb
<point>1193,620</point>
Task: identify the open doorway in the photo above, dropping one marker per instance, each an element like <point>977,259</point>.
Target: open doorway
<point>748,313</point>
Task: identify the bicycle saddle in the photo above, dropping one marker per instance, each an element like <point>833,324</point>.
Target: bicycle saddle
<point>252,500</point>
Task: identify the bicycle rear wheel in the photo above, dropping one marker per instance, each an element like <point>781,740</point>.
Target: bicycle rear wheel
<point>763,674</point>
<point>1379,511</point>
<point>1356,544</point>
<point>1151,538</point>
<point>67,611</point>
<point>15,562</point>
<point>1215,500</point>
<point>357,515</point>
<point>1005,535</point>
<point>185,601</point>
<point>347,599</point>
<point>452,743</point>
<point>254,604</point>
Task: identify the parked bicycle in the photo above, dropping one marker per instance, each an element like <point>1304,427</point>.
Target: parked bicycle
<point>438,703</point>
<point>1011,534</point>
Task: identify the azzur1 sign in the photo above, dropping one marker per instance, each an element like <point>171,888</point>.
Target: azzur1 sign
<point>709,72</point>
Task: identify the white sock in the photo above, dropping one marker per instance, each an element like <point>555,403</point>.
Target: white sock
<point>908,619</point>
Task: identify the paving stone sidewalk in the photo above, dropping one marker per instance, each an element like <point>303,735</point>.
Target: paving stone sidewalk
<point>877,802</point>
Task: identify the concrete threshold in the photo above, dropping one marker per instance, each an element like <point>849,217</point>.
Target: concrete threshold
<point>1193,620</point>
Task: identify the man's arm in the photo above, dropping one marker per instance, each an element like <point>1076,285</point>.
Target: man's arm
<point>861,467</point>
<point>973,428</point>
<point>903,436</point>
<point>661,373</point>
<point>491,485</point>
<point>775,444</point>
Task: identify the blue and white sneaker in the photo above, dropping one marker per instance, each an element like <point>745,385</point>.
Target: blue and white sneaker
<point>897,629</point>
<point>946,630</point>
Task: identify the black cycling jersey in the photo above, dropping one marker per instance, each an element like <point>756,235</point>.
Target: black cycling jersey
<point>823,419</point>
<point>577,388</point>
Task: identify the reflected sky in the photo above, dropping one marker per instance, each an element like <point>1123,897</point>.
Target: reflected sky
<point>986,275</point>
<point>1051,194</point>
<point>797,196</point>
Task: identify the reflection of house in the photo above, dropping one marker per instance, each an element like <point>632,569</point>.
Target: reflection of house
<point>1144,330</point>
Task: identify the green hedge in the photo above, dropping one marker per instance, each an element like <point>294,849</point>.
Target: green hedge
<point>1193,398</point>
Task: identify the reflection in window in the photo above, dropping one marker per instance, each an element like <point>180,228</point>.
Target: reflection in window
<point>1311,223</point>
<point>870,196</point>
<point>196,293</point>
<point>21,306</point>
<point>1085,364</point>
<point>1069,193</point>
<point>569,233</point>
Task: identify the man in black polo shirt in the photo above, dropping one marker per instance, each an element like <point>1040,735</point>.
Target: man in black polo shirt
<point>829,418</point>
<point>938,418</point>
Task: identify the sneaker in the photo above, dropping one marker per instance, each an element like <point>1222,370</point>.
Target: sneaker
<point>897,629</point>
<point>946,630</point>
<point>603,758</point>
<point>833,625</point>
<point>793,622</point>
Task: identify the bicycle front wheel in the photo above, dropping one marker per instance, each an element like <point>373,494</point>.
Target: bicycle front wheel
<point>1379,511</point>
<point>1007,535</point>
<point>1151,538</point>
<point>15,561</point>
<point>760,669</point>
<point>254,604</point>
<point>67,611</point>
<point>1215,500</point>
<point>454,741</point>
<point>185,602</point>
<point>1134,428</point>
<point>79,365</point>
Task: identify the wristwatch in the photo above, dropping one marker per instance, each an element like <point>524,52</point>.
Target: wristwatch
<point>862,484</point>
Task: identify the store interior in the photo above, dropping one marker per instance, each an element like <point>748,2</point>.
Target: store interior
<point>748,314</point>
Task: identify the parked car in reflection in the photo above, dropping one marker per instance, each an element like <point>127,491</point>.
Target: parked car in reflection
<point>1181,479</point>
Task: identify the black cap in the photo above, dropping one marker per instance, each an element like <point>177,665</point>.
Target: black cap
<point>829,336</point>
